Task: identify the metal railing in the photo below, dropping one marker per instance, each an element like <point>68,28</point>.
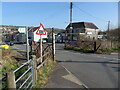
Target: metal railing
<point>25,82</point>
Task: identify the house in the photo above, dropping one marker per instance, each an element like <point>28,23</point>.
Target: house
<point>32,35</point>
<point>87,29</point>
<point>61,36</point>
<point>20,38</point>
<point>100,37</point>
<point>9,29</point>
<point>50,37</point>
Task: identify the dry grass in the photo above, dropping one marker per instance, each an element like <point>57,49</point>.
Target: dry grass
<point>8,60</point>
<point>9,63</point>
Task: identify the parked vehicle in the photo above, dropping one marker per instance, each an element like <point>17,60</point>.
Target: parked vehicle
<point>11,43</point>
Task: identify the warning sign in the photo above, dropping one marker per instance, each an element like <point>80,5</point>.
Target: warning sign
<point>41,30</point>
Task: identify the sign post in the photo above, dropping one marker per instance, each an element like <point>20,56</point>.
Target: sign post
<point>41,48</point>
<point>27,44</point>
<point>25,31</point>
<point>41,31</point>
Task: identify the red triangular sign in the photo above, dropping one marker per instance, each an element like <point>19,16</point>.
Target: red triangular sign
<point>41,28</point>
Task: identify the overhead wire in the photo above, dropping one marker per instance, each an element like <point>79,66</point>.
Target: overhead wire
<point>88,13</point>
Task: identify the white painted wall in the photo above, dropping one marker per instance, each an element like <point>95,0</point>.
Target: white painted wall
<point>91,32</point>
<point>36,38</point>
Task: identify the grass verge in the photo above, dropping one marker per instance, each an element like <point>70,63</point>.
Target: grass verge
<point>43,74</point>
<point>14,49</point>
<point>79,50</point>
<point>99,51</point>
<point>107,50</point>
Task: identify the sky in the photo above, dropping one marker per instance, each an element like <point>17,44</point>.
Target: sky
<point>57,14</point>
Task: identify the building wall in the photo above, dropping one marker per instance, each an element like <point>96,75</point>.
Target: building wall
<point>88,32</point>
<point>37,37</point>
<point>91,33</point>
<point>78,30</point>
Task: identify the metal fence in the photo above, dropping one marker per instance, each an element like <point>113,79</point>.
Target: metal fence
<point>22,77</point>
<point>22,81</point>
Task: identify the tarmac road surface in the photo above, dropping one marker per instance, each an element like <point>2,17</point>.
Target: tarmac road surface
<point>93,70</point>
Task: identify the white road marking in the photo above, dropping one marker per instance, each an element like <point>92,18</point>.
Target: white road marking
<point>72,78</point>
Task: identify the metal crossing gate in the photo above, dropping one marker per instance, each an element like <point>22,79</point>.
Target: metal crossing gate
<point>24,75</point>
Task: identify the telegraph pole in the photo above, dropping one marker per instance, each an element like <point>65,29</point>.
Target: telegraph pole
<point>71,28</point>
<point>108,30</point>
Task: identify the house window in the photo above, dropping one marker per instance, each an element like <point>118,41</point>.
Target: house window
<point>89,33</point>
<point>95,31</point>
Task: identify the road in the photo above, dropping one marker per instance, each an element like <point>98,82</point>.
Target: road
<point>19,46</point>
<point>93,70</point>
